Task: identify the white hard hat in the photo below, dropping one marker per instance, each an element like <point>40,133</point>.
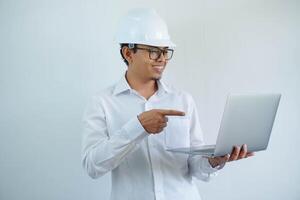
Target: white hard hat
<point>144,26</point>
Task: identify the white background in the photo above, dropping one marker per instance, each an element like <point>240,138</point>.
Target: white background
<point>54,54</point>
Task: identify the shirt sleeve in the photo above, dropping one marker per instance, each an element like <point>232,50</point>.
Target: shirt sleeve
<point>100,152</point>
<point>199,166</point>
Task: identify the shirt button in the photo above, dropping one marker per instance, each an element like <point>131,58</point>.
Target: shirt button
<point>159,194</point>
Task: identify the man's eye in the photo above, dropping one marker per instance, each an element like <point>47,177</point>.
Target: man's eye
<point>154,51</point>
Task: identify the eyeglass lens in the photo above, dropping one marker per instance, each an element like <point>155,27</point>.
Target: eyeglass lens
<point>156,53</point>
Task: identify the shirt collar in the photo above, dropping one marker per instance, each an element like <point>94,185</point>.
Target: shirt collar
<point>123,86</point>
<point>162,87</point>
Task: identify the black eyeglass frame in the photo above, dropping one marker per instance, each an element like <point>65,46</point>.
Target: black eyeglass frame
<point>161,51</point>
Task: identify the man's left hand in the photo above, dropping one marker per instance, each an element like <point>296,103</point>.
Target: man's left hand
<point>236,154</point>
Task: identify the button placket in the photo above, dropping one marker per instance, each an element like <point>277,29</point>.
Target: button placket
<point>155,165</point>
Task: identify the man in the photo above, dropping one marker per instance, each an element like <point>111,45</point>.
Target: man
<point>126,124</point>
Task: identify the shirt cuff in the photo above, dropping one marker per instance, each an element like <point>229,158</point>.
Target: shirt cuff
<point>133,130</point>
<point>208,168</point>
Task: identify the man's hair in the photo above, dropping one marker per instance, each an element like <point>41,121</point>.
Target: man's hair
<point>127,45</point>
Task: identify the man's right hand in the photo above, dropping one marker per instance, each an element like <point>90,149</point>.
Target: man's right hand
<point>154,121</point>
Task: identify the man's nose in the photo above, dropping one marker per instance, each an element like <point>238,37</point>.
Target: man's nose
<point>161,57</point>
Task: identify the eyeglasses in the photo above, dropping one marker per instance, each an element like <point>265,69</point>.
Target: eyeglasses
<point>155,53</point>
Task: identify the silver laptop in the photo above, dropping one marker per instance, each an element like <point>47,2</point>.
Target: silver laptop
<point>247,119</point>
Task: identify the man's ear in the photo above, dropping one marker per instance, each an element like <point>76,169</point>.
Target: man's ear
<point>127,53</point>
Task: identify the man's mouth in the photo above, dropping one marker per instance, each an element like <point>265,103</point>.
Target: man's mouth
<point>158,68</point>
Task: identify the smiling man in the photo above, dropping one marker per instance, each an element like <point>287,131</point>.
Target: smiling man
<point>125,126</point>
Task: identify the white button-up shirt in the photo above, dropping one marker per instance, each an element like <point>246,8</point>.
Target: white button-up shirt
<point>141,168</point>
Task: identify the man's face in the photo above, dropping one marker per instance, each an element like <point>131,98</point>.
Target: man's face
<point>145,67</point>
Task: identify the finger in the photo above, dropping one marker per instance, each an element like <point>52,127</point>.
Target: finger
<point>226,157</point>
<point>249,154</point>
<point>223,159</point>
<point>220,160</point>
<point>158,130</point>
<point>162,119</point>
<point>166,119</point>
<point>171,112</point>
<point>243,152</point>
<point>231,154</point>
<point>163,125</point>
<point>235,153</point>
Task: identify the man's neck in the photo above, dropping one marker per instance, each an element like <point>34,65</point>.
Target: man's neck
<point>146,88</point>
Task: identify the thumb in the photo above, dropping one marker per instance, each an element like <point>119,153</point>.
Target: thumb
<point>223,159</point>
<point>226,158</point>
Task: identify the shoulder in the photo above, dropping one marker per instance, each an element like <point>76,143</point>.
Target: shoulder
<point>102,95</point>
<point>106,92</point>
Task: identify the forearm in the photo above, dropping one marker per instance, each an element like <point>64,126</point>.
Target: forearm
<point>102,154</point>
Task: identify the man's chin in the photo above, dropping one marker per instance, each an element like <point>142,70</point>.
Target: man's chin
<point>156,78</point>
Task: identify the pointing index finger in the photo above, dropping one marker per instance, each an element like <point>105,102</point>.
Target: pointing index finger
<point>172,112</point>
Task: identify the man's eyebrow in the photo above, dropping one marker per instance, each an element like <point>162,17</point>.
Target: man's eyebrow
<point>154,47</point>
<point>157,48</point>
